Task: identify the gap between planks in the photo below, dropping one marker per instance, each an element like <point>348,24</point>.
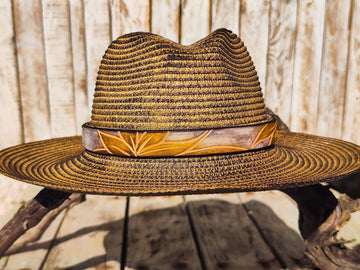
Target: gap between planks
<point>171,231</point>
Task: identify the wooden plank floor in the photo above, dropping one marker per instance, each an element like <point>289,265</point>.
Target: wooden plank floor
<point>232,231</point>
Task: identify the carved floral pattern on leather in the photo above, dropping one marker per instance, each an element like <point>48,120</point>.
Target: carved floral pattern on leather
<point>145,144</point>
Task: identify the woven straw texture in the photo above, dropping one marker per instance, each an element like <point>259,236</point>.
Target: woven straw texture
<point>147,82</point>
<point>296,160</point>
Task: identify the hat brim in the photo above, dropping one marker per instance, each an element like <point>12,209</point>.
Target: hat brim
<point>296,159</point>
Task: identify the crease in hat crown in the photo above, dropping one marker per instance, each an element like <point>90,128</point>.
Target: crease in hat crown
<point>147,82</point>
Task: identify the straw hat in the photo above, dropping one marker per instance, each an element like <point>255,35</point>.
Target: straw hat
<point>173,119</point>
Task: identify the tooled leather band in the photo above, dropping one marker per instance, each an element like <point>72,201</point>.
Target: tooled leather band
<point>178,143</point>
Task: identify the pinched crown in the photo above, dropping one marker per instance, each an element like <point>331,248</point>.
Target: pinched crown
<point>147,82</point>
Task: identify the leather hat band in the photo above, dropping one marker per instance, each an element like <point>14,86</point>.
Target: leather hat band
<point>178,143</point>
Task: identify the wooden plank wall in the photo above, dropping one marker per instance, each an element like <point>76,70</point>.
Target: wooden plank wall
<point>307,54</point>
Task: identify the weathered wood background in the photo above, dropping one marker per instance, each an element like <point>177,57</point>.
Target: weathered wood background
<point>307,54</point>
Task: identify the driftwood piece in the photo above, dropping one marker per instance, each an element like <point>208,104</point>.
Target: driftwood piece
<point>322,216</point>
<point>323,247</point>
<point>47,203</point>
<point>315,204</point>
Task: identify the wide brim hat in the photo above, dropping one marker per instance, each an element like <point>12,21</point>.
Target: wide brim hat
<point>173,119</point>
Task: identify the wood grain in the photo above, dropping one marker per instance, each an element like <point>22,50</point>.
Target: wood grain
<point>159,235</point>
<point>195,20</point>
<point>282,204</point>
<point>351,124</point>
<point>225,14</point>
<point>39,218</point>
<point>280,60</point>
<point>32,69</point>
<point>36,254</point>
<point>115,18</point>
<point>165,16</point>
<point>254,31</point>
<point>77,29</point>
<point>57,41</point>
<point>288,245</point>
<point>97,39</point>
<point>134,16</point>
<point>90,236</point>
<point>11,132</point>
<point>276,216</point>
<point>333,69</point>
<point>9,94</point>
<point>307,65</point>
<point>226,237</point>
<point>307,57</point>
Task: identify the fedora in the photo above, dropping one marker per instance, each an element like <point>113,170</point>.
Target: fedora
<point>173,119</point>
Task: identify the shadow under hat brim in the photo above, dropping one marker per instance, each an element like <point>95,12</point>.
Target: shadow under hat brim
<point>296,159</point>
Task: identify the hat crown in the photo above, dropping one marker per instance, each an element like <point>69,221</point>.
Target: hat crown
<point>147,82</point>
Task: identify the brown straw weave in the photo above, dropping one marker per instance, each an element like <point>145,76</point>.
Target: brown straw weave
<point>148,83</point>
<point>291,163</point>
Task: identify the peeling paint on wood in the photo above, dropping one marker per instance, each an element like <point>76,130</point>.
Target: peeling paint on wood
<point>32,69</point>
<point>280,58</point>
<point>195,20</point>
<point>333,69</point>
<point>307,65</point>
<point>9,94</point>
<point>351,124</point>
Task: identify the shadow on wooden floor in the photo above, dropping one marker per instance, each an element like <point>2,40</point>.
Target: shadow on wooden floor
<point>208,234</point>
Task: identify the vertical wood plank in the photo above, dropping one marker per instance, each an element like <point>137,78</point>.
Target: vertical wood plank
<point>97,38</point>
<point>59,67</point>
<point>129,16</point>
<point>333,69</point>
<point>351,126</point>
<point>79,62</point>
<point>10,116</point>
<point>280,60</point>
<point>134,16</point>
<point>307,65</point>
<point>11,132</point>
<point>254,31</point>
<point>32,69</point>
<point>195,20</point>
<point>225,14</point>
<point>115,18</point>
<point>165,20</point>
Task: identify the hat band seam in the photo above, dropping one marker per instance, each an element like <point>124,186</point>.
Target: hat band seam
<point>178,143</point>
